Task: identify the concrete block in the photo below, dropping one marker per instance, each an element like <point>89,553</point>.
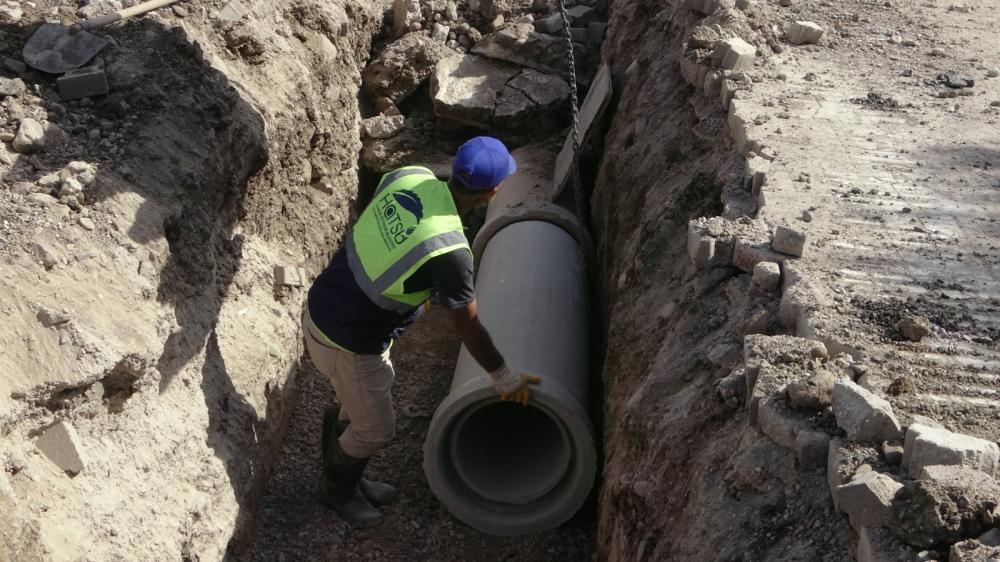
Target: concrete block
<point>551,24</point>
<point>739,123</point>
<point>804,32</point>
<point>812,448</point>
<point>289,276</point>
<point>836,461</point>
<point>927,446</point>
<point>756,172</point>
<point>864,416</point>
<point>767,275</point>
<point>775,420</point>
<point>706,250</point>
<point>747,253</point>
<point>734,54</point>
<point>82,83</point>
<point>876,544</point>
<point>581,15</point>
<point>61,444</point>
<point>788,240</point>
<point>867,499</point>
<point>596,31</point>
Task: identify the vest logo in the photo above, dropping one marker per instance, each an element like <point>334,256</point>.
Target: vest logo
<point>395,225</point>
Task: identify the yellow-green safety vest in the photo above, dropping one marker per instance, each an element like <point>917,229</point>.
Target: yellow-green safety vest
<point>411,218</point>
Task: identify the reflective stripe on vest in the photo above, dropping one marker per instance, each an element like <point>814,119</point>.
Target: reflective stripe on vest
<point>411,219</point>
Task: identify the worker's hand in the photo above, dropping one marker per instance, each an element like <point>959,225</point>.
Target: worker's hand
<point>513,386</point>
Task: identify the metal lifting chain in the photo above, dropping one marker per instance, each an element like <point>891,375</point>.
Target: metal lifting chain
<point>575,166</point>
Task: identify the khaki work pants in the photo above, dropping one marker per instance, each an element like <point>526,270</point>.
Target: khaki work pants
<point>363,384</point>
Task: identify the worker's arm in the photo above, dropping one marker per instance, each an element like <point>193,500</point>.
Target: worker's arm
<point>511,385</point>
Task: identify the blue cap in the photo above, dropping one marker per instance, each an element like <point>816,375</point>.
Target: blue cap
<point>482,163</point>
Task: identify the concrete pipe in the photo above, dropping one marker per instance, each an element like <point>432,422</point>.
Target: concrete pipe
<point>502,468</point>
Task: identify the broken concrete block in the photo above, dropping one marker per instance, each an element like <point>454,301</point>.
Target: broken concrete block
<point>61,444</point>
<point>759,350</point>
<point>876,544</point>
<point>551,24</point>
<point>596,31</point>
<point>82,83</point>
<point>530,99</point>
<point>836,464</point>
<point>289,276</point>
<point>788,240</point>
<point>864,416</point>
<point>914,328</point>
<point>814,393</point>
<point>706,250</point>
<point>520,45</point>
<point>383,126</point>
<point>767,275</point>
<point>804,32</point>
<point>403,66</point>
<point>778,422</point>
<point>926,446</point>
<point>465,88</point>
<point>748,252</point>
<point>734,54</point>
<point>867,499</point>
<point>30,137</point>
<point>953,503</point>
<point>811,448</point>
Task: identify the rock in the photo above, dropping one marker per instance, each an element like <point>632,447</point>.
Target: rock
<point>914,328</point>
<point>815,393</point>
<point>811,448</point>
<point>726,355</point>
<point>952,504</point>
<point>734,54</point>
<point>451,11</point>
<point>973,551</point>
<point>927,446</point>
<point>49,317</point>
<point>440,33</point>
<point>11,87</point>
<point>767,275</point>
<point>520,45</point>
<point>581,15</point>
<point>876,544</point>
<point>70,186</point>
<point>61,444</point>
<point>836,463</point>
<point>956,81</point>
<point>405,13</point>
<point>703,37</point>
<point>532,99</point>
<point>778,422</point>
<point>383,126</point>
<point>48,257</point>
<point>10,13</point>
<point>804,32</point>
<point>788,240</point>
<point>551,24</point>
<point>893,452</point>
<point>289,276</point>
<point>864,416</point>
<point>234,10</point>
<point>772,354</point>
<point>403,66</point>
<point>87,223</point>
<point>867,499</point>
<point>30,137</point>
<point>465,88</point>
<point>41,199</point>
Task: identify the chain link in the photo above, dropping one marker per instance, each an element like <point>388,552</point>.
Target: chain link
<point>575,112</point>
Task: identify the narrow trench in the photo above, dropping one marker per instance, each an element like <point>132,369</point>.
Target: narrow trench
<point>293,525</point>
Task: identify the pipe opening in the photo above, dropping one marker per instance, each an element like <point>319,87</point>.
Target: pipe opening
<point>509,453</point>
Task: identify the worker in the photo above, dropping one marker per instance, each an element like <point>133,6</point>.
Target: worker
<point>407,245</point>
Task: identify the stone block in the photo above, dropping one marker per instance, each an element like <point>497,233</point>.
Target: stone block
<point>788,240</point>
<point>952,503</point>
<point>812,448</point>
<point>61,444</point>
<point>402,67</point>
<point>748,252</point>
<point>778,422</point>
<point>596,31</point>
<point>519,44</point>
<point>713,84</point>
<point>767,275</point>
<point>465,88</point>
<point>82,83</point>
<point>836,462</point>
<point>706,250</point>
<point>759,350</point>
<point>804,32</point>
<point>734,54</point>
<point>550,24</point>
<point>876,544</point>
<point>926,446</point>
<point>867,499</point>
<point>289,276</point>
<point>864,416</point>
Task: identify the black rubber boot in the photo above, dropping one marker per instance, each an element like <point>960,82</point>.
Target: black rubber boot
<point>378,493</point>
<point>338,487</point>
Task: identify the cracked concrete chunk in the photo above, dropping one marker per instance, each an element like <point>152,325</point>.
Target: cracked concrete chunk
<point>864,416</point>
<point>767,275</point>
<point>403,66</point>
<point>788,240</point>
<point>519,44</point>
<point>734,54</point>
<point>927,446</point>
<point>867,499</point>
<point>465,88</point>
<point>61,444</point>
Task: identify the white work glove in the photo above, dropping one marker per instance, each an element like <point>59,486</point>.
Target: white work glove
<point>513,386</point>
